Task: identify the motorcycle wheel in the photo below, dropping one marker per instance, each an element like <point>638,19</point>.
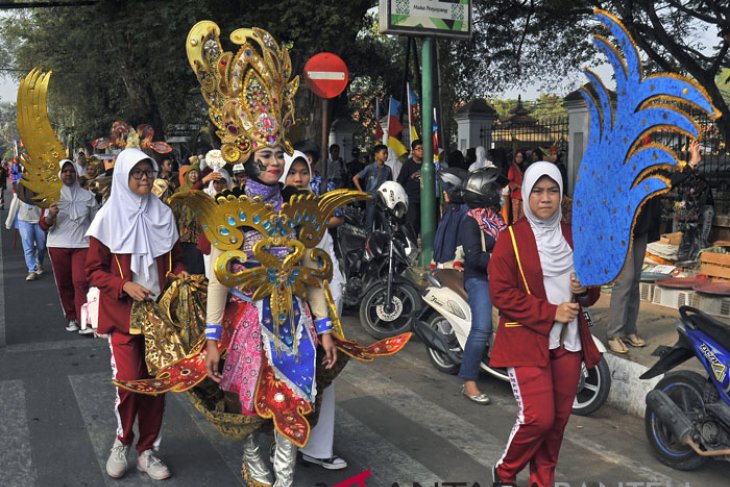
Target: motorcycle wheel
<point>687,390</point>
<point>440,360</point>
<point>377,321</point>
<point>593,388</point>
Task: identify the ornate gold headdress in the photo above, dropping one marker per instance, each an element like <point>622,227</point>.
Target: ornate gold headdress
<point>249,93</point>
<point>40,140</point>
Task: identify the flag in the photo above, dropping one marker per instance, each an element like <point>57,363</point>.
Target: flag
<point>435,132</point>
<point>397,146</point>
<point>394,125</point>
<point>379,134</point>
<point>414,108</point>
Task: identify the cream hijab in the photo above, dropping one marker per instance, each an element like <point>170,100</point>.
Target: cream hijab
<point>142,226</point>
<point>75,201</point>
<point>556,256</point>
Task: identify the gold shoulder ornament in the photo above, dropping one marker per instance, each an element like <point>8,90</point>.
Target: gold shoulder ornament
<point>288,259</point>
<point>44,149</point>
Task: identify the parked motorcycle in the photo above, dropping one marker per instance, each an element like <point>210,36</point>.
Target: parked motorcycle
<point>391,301</point>
<point>688,414</point>
<point>444,327</point>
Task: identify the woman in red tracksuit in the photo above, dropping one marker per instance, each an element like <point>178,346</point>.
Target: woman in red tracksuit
<point>132,248</point>
<point>542,336</point>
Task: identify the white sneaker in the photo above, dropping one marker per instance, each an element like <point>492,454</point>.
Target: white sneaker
<point>39,270</point>
<point>73,325</point>
<point>152,466</point>
<point>116,464</point>
<point>31,277</point>
<point>86,331</point>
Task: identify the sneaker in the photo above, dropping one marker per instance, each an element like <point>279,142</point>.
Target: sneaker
<point>31,277</point>
<point>86,331</point>
<point>39,270</point>
<point>635,340</point>
<point>116,464</point>
<point>73,325</point>
<point>332,463</point>
<point>616,345</point>
<point>152,466</point>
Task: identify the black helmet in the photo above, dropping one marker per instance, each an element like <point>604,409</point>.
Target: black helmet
<point>452,180</point>
<point>483,187</point>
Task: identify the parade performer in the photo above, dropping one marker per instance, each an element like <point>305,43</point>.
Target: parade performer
<point>66,223</point>
<point>319,450</point>
<point>269,307</point>
<point>132,248</point>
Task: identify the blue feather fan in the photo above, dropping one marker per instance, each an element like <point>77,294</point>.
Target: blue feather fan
<point>616,175</point>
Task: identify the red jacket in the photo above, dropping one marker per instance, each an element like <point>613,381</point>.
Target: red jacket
<point>109,272</point>
<point>526,319</point>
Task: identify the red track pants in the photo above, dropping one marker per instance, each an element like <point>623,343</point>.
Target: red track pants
<point>544,399</point>
<point>128,364</point>
<point>68,270</point>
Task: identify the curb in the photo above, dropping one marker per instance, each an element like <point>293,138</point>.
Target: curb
<point>628,392</point>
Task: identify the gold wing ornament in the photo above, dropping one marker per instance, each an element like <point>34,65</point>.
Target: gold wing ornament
<point>287,263</point>
<point>40,140</point>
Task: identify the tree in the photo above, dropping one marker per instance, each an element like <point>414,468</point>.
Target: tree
<point>545,40</point>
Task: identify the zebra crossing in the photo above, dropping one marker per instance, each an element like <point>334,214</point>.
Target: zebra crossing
<point>397,418</point>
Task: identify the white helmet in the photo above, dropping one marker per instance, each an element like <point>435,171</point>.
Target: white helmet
<point>394,197</point>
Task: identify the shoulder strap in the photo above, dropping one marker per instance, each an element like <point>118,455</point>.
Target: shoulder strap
<point>517,256</point>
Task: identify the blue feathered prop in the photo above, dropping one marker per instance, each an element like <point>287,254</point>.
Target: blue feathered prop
<point>617,173</point>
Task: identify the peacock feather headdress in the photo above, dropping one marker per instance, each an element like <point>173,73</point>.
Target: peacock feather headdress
<point>618,172</point>
<point>249,94</point>
<point>44,149</point>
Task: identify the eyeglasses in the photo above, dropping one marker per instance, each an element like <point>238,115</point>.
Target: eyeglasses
<point>138,173</point>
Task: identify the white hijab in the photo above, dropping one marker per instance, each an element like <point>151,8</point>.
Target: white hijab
<point>75,200</point>
<point>229,182</point>
<point>481,161</point>
<point>556,256</point>
<point>142,226</point>
<point>289,160</point>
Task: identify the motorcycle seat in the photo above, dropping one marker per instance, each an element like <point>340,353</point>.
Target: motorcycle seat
<point>716,330</point>
<point>453,280</point>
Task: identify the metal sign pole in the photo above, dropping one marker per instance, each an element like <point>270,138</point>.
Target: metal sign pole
<point>428,206</point>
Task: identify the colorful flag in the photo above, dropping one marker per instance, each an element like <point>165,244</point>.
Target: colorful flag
<point>397,146</point>
<point>394,125</point>
<point>414,109</point>
<point>435,132</point>
<point>379,134</point>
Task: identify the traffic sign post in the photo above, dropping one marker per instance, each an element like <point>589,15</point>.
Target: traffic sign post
<point>326,75</point>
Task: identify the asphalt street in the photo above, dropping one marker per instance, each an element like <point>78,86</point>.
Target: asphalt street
<point>397,418</point>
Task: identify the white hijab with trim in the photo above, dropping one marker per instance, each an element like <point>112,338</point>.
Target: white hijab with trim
<point>142,226</point>
<point>289,160</point>
<point>556,256</point>
<point>75,200</point>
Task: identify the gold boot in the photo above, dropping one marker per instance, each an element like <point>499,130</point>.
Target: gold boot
<point>285,459</point>
<point>254,470</point>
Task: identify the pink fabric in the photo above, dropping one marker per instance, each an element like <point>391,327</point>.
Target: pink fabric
<point>243,360</point>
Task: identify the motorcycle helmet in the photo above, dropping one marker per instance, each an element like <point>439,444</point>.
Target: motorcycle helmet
<point>452,181</point>
<point>394,198</point>
<point>483,188</point>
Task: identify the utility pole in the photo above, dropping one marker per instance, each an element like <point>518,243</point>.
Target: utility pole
<point>428,198</point>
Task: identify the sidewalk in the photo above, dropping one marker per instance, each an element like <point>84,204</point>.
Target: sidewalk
<point>657,325</point>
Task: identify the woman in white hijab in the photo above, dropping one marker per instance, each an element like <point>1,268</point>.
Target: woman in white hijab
<point>319,450</point>
<point>66,223</point>
<point>542,335</point>
<point>132,248</point>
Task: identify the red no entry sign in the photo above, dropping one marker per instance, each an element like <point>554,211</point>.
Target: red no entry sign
<point>326,74</point>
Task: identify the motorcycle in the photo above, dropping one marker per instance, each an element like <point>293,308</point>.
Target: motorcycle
<point>390,302</point>
<point>444,327</point>
<point>688,414</point>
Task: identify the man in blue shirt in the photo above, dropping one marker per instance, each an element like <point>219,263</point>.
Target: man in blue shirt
<point>374,175</point>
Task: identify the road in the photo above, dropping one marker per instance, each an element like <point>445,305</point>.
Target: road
<point>397,417</point>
